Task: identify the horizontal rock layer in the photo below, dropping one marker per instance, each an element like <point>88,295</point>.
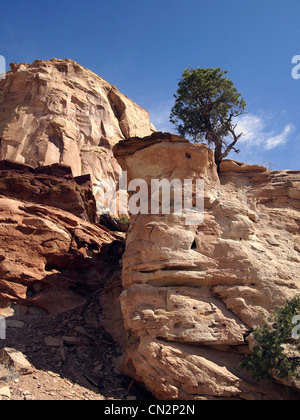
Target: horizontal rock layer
<point>193,294</point>
<point>50,258</point>
<point>59,112</point>
<point>51,185</point>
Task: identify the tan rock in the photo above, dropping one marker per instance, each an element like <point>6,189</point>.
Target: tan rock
<point>176,371</point>
<point>228,165</point>
<point>16,359</point>
<point>5,393</point>
<point>181,314</point>
<point>194,293</point>
<point>59,112</point>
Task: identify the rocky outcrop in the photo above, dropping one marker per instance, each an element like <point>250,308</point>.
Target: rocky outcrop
<point>51,258</point>
<point>59,112</point>
<point>59,287</point>
<point>194,294</point>
<point>51,185</point>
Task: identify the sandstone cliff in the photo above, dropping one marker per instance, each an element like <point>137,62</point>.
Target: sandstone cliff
<point>194,294</point>
<point>59,112</point>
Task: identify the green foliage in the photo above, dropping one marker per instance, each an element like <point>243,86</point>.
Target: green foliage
<point>206,104</point>
<point>276,352</point>
<point>124,220</point>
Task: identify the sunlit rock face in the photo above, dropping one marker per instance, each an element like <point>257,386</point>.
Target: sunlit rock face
<point>59,112</point>
<point>194,293</point>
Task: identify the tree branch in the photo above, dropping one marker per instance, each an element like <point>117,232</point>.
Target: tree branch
<point>232,145</point>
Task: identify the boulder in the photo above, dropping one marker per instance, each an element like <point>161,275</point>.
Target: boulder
<point>15,359</point>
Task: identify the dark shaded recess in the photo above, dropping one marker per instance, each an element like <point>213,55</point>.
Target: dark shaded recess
<point>194,245</point>
<point>112,223</point>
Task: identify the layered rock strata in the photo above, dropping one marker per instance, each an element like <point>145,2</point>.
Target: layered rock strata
<point>59,112</point>
<point>194,294</point>
<point>52,185</point>
<point>52,254</point>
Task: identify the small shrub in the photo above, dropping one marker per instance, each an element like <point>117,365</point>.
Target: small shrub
<point>276,352</point>
<point>124,220</point>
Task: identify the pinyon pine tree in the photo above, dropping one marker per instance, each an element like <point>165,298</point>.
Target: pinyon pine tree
<point>206,105</point>
<point>276,352</point>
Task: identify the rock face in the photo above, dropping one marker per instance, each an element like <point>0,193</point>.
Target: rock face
<point>51,185</point>
<point>59,112</point>
<point>194,294</point>
<point>52,254</point>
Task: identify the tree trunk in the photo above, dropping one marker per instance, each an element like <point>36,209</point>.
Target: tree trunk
<point>218,154</point>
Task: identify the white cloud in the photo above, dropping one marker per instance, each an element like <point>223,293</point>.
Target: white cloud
<point>256,133</point>
<point>281,138</point>
<point>160,116</point>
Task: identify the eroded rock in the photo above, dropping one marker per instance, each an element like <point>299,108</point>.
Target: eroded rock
<point>60,112</point>
<point>15,359</point>
<point>50,257</point>
<point>52,185</point>
<point>194,293</point>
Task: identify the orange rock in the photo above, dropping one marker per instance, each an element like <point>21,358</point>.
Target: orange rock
<point>45,252</point>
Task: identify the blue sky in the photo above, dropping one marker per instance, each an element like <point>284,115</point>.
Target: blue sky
<point>143,47</point>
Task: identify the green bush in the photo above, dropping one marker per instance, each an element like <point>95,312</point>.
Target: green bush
<point>276,352</point>
<point>124,220</point>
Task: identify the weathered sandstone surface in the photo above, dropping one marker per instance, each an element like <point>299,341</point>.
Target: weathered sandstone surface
<point>59,112</point>
<point>194,294</point>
